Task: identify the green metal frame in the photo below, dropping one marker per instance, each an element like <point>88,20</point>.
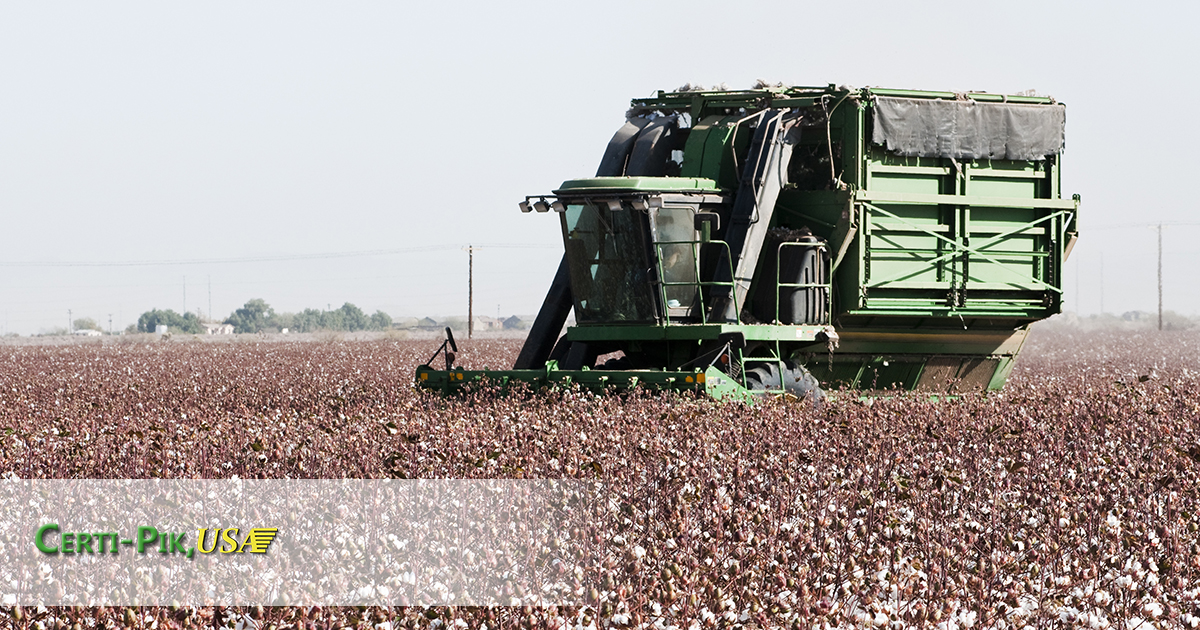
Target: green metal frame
<point>932,261</point>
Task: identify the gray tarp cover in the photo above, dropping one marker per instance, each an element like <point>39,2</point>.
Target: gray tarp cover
<point>968,129</point>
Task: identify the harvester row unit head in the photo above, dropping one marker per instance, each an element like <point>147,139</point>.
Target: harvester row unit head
<point>786,240</point>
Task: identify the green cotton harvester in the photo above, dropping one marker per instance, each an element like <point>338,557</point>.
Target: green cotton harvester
<point>796,239</point>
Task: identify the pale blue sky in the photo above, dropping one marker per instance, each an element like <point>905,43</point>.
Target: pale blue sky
<point>134,131</point>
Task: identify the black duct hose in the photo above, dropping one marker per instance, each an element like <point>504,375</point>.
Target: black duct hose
<point>630,152</point>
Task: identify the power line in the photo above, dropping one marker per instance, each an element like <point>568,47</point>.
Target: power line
<point>255,259</point>
<point>1119,226</point>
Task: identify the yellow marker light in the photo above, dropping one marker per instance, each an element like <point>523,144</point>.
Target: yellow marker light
<point>700,377</point>
<point>424,376</point>
<point>688,379</point>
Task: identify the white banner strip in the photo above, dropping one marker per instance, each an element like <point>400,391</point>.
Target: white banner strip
<point>291,542</point>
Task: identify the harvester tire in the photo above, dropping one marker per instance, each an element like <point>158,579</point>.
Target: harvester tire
<point>796,380</point>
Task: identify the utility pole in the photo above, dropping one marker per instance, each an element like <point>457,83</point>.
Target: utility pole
<point>470,290</point>
<point>1160,276</point>
<point>185,295</point>
<point>1077,302</point>
<point>210,298</point>
<point>110,323</point>
<point>70,322</point>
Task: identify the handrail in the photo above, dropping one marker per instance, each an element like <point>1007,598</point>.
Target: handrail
<point>698,283</point>
<point>779,286</point>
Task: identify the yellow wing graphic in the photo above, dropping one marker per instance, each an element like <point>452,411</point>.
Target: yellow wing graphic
<point>260,539</point>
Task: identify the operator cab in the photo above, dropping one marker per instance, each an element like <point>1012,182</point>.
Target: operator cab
<point>636,250</point>
<point>650,250</point>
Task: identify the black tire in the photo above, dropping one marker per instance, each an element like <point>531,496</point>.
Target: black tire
<point>796,380</point>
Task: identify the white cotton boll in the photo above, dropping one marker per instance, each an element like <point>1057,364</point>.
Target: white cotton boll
<point>639,552</point>
<point>1154,609</point>
<point>1063,522</point>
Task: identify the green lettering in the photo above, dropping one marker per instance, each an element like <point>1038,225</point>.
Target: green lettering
<point>105,537</point>
<point>41,532</point>
<point>68,543</point>
<point>146,536</point>
<point>83,542</point>
<point>177,542</point>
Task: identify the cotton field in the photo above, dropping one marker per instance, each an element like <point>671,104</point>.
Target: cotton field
<point>1068,499</point>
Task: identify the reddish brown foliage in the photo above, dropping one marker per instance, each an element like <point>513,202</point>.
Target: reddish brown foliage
<point>1070,497</point>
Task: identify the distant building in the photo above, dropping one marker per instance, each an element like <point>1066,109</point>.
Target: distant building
<point>218,329</point>
<point>515,323</point>
<point>427,322</point>
<point>160,329</point>
<point>87,332</point>
<point>483,323</point>
<point>405,323</point>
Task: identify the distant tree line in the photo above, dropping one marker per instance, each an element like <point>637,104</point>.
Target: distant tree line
<point>86,323</point>
<point>186,323</point>
<point>258,316</point>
